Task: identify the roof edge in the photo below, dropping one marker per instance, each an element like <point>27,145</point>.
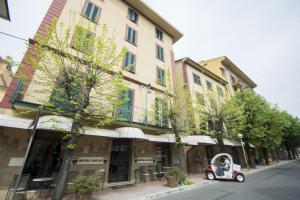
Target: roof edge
<point>155,18</point>
<point>200,68</point>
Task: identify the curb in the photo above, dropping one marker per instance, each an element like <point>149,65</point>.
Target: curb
<point>175,190</point>
<point>206,182</point>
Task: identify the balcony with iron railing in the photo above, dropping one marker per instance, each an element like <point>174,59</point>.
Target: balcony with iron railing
<point>138,115</point>
<point>133,115</point>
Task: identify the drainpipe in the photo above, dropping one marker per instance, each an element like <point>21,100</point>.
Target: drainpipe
<point>146,101</point>
<point>33,134</point>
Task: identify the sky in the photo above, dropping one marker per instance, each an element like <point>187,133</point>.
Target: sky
<point>261,37</point>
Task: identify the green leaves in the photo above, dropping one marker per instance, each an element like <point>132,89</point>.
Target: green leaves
<point>266,125</point>
<point>77,74</point>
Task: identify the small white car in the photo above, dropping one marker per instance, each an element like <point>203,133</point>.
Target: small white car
<point>222,167</point>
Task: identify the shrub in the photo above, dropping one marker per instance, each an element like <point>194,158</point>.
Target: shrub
<point>85,184</point>
<point>177,172</point>
<point>187,182</point>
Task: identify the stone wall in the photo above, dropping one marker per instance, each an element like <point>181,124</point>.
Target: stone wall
<point>13,144</point>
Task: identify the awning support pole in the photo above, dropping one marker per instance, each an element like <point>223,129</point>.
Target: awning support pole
<point>33,133</point>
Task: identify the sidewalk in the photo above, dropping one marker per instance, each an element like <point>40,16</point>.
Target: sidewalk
<point>156,189</point>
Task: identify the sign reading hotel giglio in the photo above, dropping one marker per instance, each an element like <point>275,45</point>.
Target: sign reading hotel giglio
<point>89,160</point>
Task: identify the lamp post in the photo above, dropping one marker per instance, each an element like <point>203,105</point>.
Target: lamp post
<point>240,136</point>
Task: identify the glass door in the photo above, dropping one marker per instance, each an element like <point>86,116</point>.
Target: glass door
<point>119,161</point>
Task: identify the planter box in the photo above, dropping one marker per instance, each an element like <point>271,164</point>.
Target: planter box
<point>171,180</point>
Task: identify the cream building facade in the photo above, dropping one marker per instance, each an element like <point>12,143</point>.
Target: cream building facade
<point>122,151</point>
<point>227,70</point>
<point>5,77</point>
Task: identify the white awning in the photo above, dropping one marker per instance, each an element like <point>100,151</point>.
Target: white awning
<point>130,132</point>
<point>53,122</point>
<point>199,139</point>
<point>228,142</point>
<point>100,132</point>
<point>204,139</point>
<point>170,137</point>
<point>156,138</point>
<point>189,140</point>
<point>15,122</point>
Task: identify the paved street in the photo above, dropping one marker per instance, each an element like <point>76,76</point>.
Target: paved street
<point>281,182</point>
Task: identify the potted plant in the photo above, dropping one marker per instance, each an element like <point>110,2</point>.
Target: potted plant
<point>84,186</point>
<point>174,176</point>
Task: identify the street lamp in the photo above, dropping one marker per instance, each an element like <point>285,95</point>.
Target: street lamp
<point>240,136</point>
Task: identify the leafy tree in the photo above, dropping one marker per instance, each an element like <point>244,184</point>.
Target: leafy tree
<point>264,123</point>
<point>224,117</point>
<point>78,76</point>
<point>291,135</point>
<point>174,102</point>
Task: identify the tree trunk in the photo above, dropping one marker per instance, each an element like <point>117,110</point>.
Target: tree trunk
<point>294,154</point>
<point>181,158</point>
<point>288,149</point>
<point>64,169</point>
<point>179,145</point>
<point>221,144</point>
<point>250,156</point>
<point>274,155</point>
<point>266,155</point>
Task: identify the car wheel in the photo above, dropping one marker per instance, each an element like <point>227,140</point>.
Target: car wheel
<point>210,176</point>
<point>240,178</point>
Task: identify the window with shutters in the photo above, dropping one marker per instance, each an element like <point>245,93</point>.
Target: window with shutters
<point>220,91</point>
<point>83,39</point>
<point>196,79</point>
<point>159,52</point>
<point>125,111</point>
<point>159,34</point>
<point>129,62</point>
<point>131,35</point>
<point>133,15</point>
<point>209,85</point>
<point>160,76</point>
<point>92,12</point>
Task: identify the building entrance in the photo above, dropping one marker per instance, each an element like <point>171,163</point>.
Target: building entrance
<point>119,161</point>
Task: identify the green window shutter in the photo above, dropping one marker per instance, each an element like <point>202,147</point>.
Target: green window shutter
<point>160,75</point>
<point>88,10</point>
<point>126,109</point>
<point>131,35</point>
<point>129,60</point>
<point>133,16</point>
<point>95,12</point>
<point>91,12</point>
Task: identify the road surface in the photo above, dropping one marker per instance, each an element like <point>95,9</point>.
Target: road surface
<point>281,182</point>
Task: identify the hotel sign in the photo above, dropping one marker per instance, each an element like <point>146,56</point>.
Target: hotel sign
<point>144,160</point>
<point>89,160</point>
